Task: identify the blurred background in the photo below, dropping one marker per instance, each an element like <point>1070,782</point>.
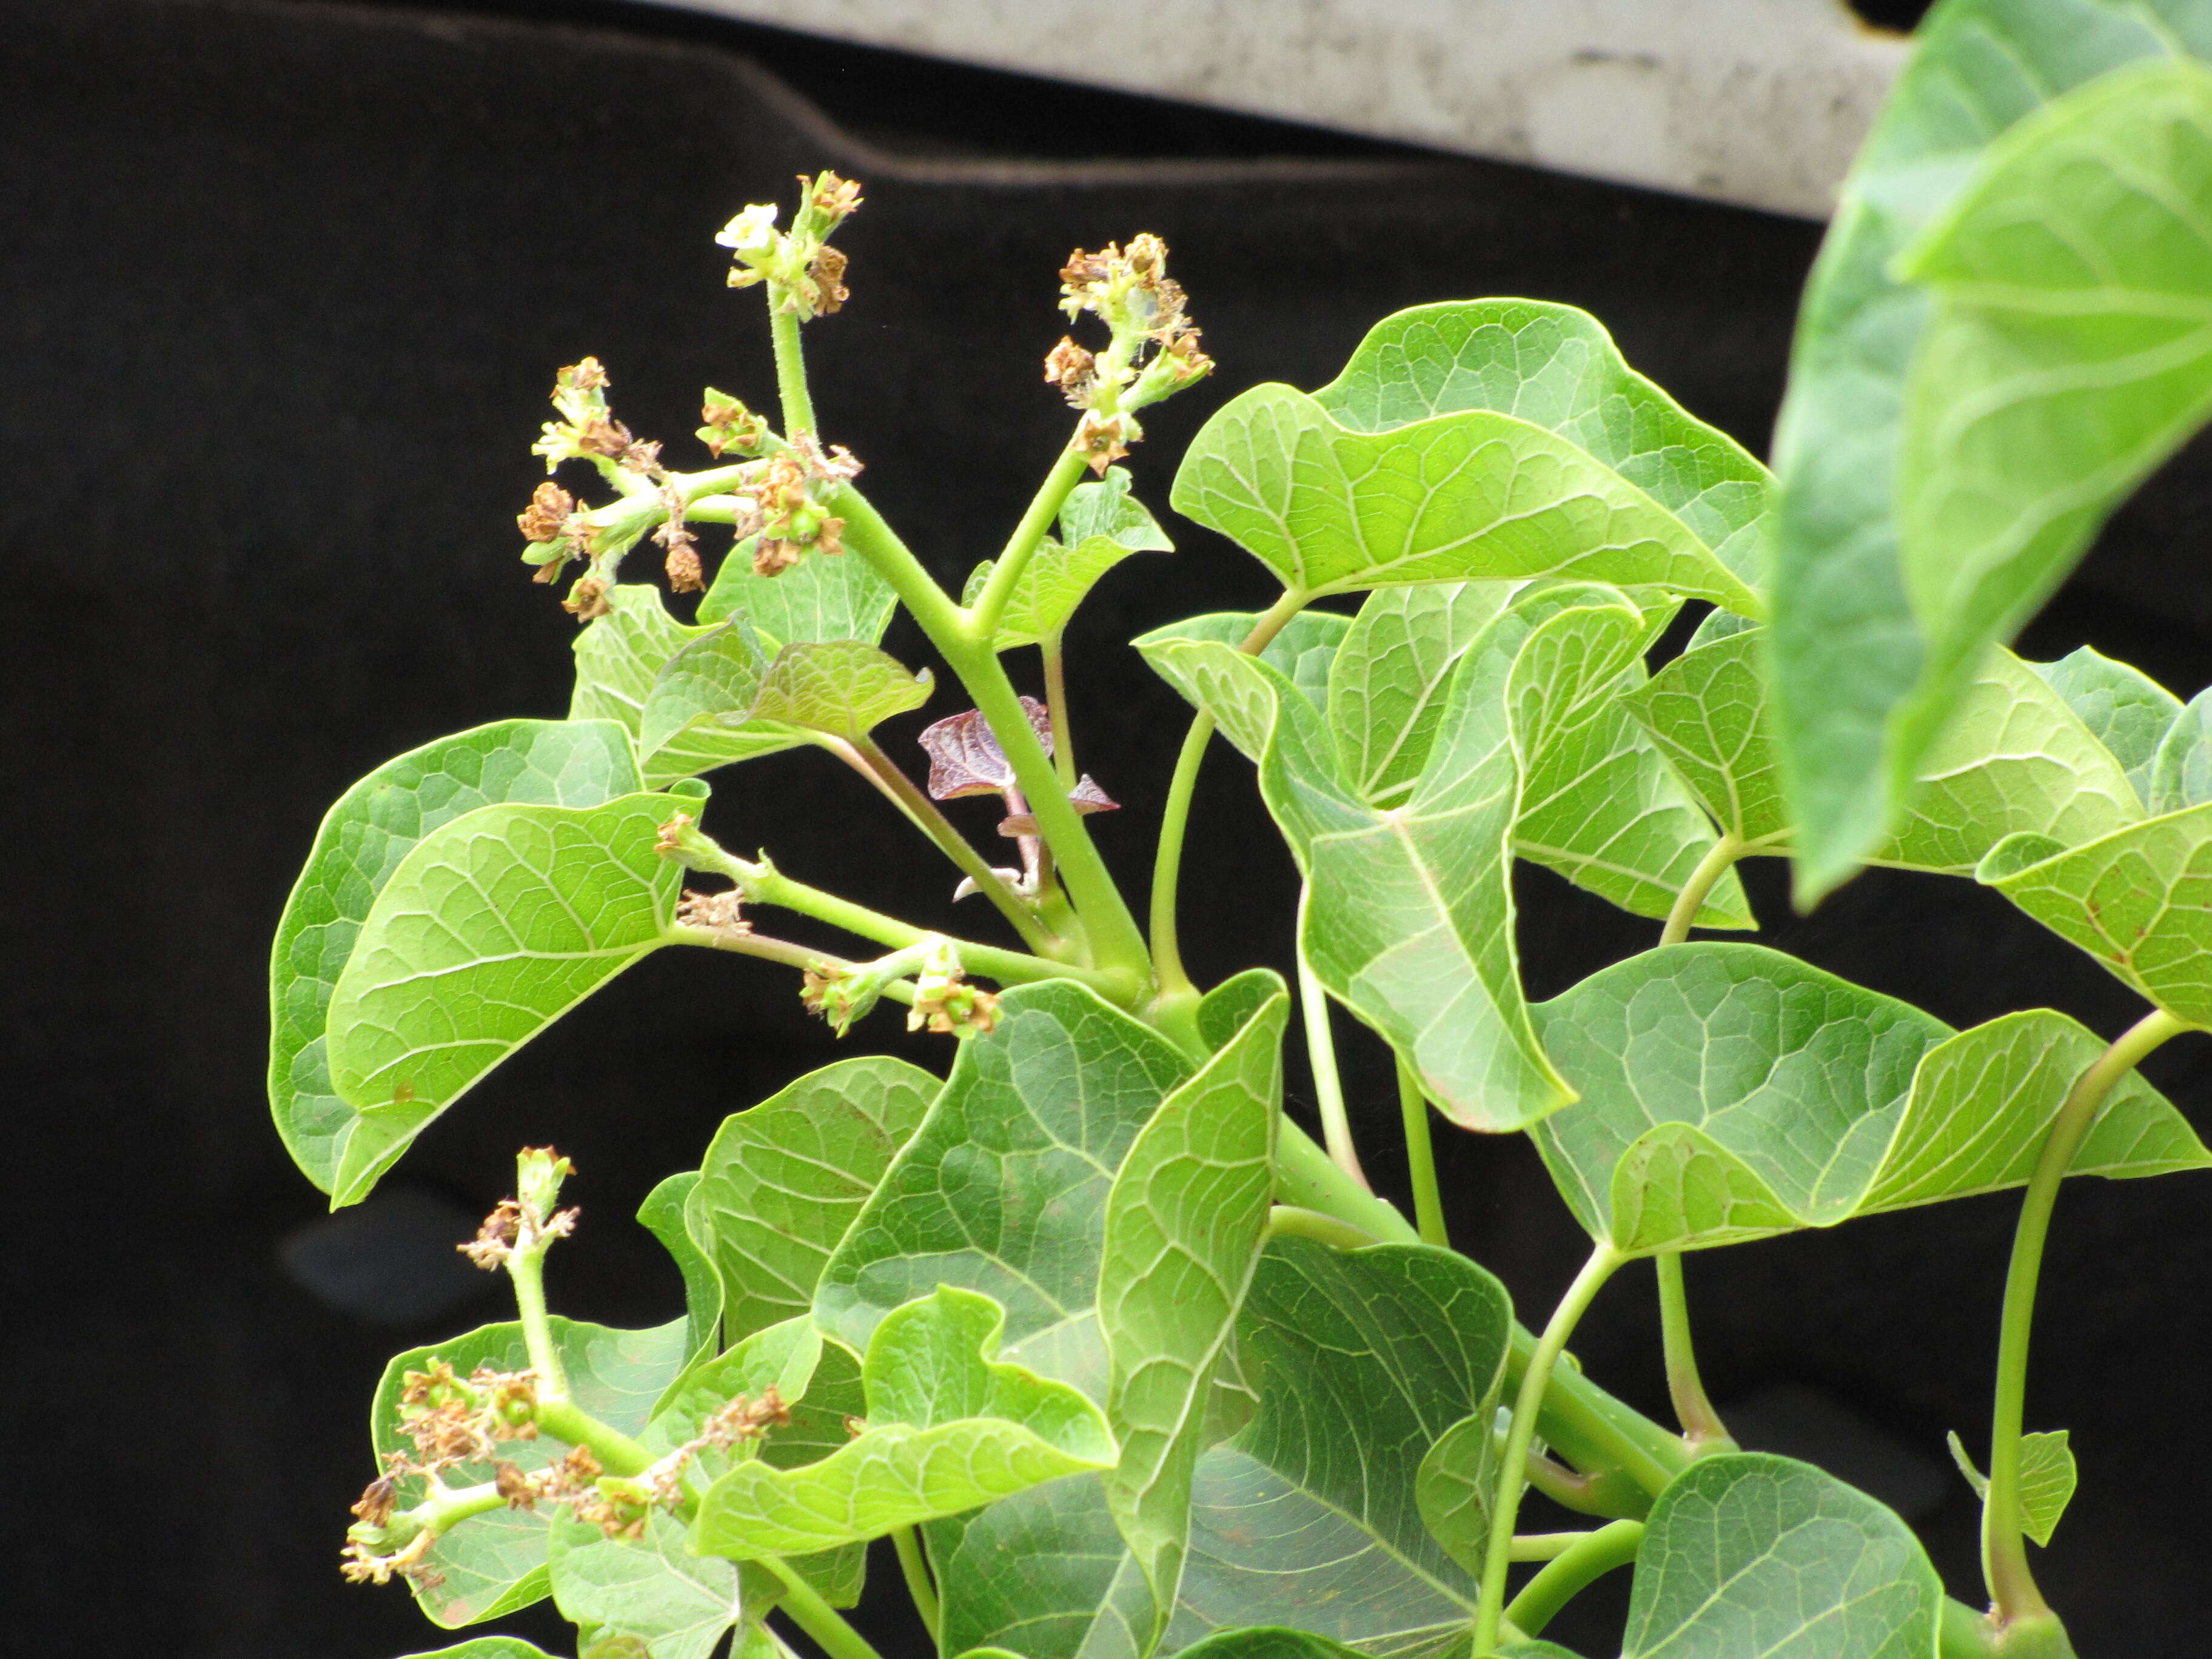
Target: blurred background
<point>282,287</point>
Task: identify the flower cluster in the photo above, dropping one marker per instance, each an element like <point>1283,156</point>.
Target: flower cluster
<point>1130,291</point>
<point>807,273</point>
<point>783,515</point>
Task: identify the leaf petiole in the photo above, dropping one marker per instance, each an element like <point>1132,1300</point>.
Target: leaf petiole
<point>816,1617</point>
<point>915,1567</point>
<point>1421,1157</point>
<point>1320,1057</point>
<point>1701,1425</point>
<point>1716,864</point>
<point>1589,1557</point>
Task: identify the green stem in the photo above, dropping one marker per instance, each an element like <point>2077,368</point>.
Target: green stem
<point>916,1571</point>
<point>866,757</point>
<point>1320,1057</point>
<point>1055,703</point>
<point>1421,1158</point>
<point>1591,1557</point>
<point>788,952</point>
<point>567,1421</point>
<point>816,1617</point>
<point>1701,1424</point>
<point>1545,1545</point>
<point>991,603</point>
<point>1290,1221</point>
<point>1174,817</point>
<point>2013,1589</point>
<point>525,1271</point>
<point>790,363</point>
<point>1527,1405</point>
<point>1692,899</point>
<point>1611,1496</point>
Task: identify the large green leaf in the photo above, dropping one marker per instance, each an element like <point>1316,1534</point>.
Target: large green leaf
<point>363,838</point>
<point>840,688</point>
<point>1731,1092</point>
<point>2139,901</point>
<point>1473,495</point>
<point>1303,652</point>
<point>1387,681</point>
<point>1307,1518</point>
<point>817,598</point>
<point>1003,1190</point>
<point>1749,1556</point>
<point>949,1429</point>
<point>665,1215</point>
<point>1861,682</point>
<point>494,1563</point>
<point>1267,1642</point>
<point>620,655</point>
<point>2017,757</point>
<point>2181,768</point>
<point>2126,709</point>
<point>674,1605</point>
<point>487,1647</point>
<point>1185,1219</point>
<point>780,1184</point>
<point>495,926</point>
<point>1557,367</point>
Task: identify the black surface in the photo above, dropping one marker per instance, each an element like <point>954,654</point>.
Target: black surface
<point>280,290</point>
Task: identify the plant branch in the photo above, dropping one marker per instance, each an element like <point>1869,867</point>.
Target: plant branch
<point>1545,1545</point>
<point>1692,899</point>
<point>991,603</point>
<point>1290,1221</point>
<point>1527,1404</point>
<point>1174,817</point>
<point>915,1569</point>
<point>1591,1556</point>
<point>783,325</point>
<point>1421,1158</point>
<point>1320,1056</point>
<point>816,1617</point>
<point>1701,1424</point>
<point>788,952</point>
<point>617,1453</point>
<point>1055,702</point>
<point>2013,1589</point>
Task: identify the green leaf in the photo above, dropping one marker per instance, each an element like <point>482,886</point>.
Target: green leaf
<point>1106,508</point>
<point>697,711</point>
<point>1100,524</point>
<point>1557,367</point>
<point>2126,709</point>
<point>663,1214</point>
<point>1307,1518</point>
<point>1457,1478</point>
<point>781,1184</point>
<point>487,1647</point>
<point>1536,1650</point>
<point>2181,769</point>
<point>620,655</point>
<point>1468,496</point>
<point>2016,758</point>
<point>2137,901</point>
<point>840,687</point>
<point>949,1430</point>
<point>494,1563</point>
<point>2047,1478</point>
<point>1267,1642</point>
<point>650,1589</point>
<point>1749,1556</point>
<point>1185,1219</point>
<point>1003,1189</point>
<point>1223,1012</point>
<point>1301,653</point>
<point>1864,677</point>
<point>1730,1092</point>
<point>828,599</point>
<point>495,926</point>
<point>1387,683</point>
<point>362,841</point>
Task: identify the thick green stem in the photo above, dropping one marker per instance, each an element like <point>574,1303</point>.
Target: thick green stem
<point>783,325</point>
<point>1290,1221</point>
<point>915,1570</point>
<point>1545,1545</point>
<point>816,1617</point>
<point>1175,818</point>
<point>2012,1590</point>
<point>1592,1556</point>
<point>1320,1057</point>
<point>1421,1158</point>
<point>1701,1424</point>
<point>525,1271</point>
<point>568,1422</point>
<point>991,603</point>
<point>1527,1405</point>
<point>867,758</point>
<point>1692,899</point>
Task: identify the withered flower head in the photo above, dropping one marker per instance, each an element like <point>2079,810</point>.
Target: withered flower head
<point>375,1505</point>
<point>723,912</point>
<point>588,599</point>
<point>549,510</point>
<point>1072,369</point>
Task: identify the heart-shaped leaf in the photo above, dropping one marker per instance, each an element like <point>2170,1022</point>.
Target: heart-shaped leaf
<point>495,926</point>
<point>2047,1479</point>
<point>697,710</point>
<point>1476,496</point>
<point>665,1214</point>
<point>1185,1219</point>
<point>2016,758</point>
<point>494,1563</point>
<point>651,1590</point>
<point>1457,1481</point>
<point>782,1184</point>
<point>828,599</point>
<point>949,1430</point>
<point>620,655</point>
<point>487,1647</point>
<point>1003,1189</point>
<point>1864,676</point>
<point>1730,1092</point>
<point>2140,901</point>
<point>2126,709</point>
<point>1307,1518</point>
<point>1100,524</point>
<point>2181,768</point>
<point>1389,675</point>
<point>363,839</point>
<point>1557,367</point>
<point>1749,1556</point>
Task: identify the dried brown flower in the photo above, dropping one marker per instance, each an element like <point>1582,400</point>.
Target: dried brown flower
<point>549,510</point>
<point>722,911</point>
<point>588,599</point>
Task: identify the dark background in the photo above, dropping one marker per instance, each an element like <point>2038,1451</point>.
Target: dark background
<point>282,288</point>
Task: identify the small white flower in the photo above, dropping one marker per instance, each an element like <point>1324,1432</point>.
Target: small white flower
<point>753,231</point>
